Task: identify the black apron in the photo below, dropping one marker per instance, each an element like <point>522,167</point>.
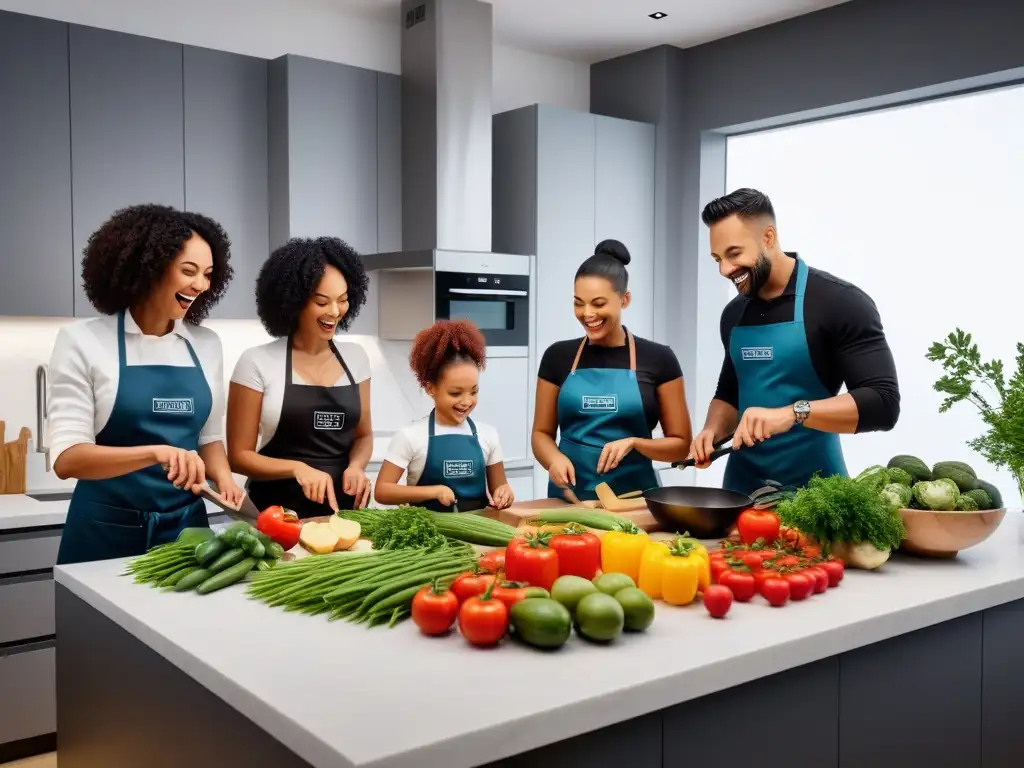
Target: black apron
<point>317,427</point>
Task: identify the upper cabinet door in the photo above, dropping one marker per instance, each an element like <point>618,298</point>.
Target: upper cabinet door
<point>127,135</point>
<point>226,161</point>
<point>35,168</point>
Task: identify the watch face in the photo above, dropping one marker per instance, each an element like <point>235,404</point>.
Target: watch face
<point>802,407</point>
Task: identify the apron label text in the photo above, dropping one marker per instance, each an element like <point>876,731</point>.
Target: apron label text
<point>601,403</point>
<point>458,468</point>
<point>757,353</point>
<point>177,406</point>
<point>328,420</point>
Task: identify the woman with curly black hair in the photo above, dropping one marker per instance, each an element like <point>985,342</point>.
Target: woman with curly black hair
<point>299,407</point>
<point>452,462</point>
<point>136,403</point>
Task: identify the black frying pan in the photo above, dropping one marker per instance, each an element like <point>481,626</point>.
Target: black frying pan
<point>706,513</point>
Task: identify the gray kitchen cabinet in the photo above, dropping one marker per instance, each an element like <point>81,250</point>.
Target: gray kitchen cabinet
<point>226,161</point>
<point>323,151</point>
<point>35,155</point>
<point>127,133</point>
<point>389,162</point>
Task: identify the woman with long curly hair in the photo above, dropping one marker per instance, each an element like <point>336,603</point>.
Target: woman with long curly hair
<point>136,401</point>
<point>299,407</point>
<point>453,463</point>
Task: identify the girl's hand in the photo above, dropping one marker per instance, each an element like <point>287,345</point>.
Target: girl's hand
<point>502,497</point>
<point>356,484</point>
<point>444,494</point>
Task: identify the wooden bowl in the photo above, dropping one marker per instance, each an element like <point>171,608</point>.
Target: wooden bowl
<point>944,534</point>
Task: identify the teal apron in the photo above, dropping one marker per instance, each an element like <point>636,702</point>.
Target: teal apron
<point>456,461</point>
<point>597,406</point>
<point>127,515</point>
<point>774,370</point>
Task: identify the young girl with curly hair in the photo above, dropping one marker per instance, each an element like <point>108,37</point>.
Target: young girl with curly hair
<point>453,463</point>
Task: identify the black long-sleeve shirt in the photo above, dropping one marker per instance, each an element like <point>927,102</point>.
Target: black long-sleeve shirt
<point>844,337</point>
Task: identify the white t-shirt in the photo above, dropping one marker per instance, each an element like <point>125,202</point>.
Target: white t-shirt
<point>84,374</point>
<point>408,448</point>
<point>262,369</point>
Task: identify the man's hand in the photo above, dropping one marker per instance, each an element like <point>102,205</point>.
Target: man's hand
<point>702,447</point>
<point>760,424</point>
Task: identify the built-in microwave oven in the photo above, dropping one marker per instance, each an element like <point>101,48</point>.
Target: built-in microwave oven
<point>499,305</point>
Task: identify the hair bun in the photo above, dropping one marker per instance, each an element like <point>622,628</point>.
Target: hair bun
<point>613,248</point>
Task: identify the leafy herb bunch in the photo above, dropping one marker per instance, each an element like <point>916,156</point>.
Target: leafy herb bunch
<point>984,384</point>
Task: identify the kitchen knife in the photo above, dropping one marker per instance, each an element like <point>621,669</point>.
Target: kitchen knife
<point>246,509</point>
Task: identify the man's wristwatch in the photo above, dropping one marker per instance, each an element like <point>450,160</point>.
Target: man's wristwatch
<point>801,410</point>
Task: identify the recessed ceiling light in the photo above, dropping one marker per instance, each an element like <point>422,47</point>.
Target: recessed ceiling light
<point>657,15</point>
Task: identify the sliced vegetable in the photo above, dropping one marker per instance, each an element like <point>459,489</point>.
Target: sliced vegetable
<point>318,538</point>
<point>347,532</point>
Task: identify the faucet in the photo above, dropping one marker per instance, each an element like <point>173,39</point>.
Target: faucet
<point>41,413</point>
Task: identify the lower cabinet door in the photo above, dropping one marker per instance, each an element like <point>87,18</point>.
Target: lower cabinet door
<point>28,692</point>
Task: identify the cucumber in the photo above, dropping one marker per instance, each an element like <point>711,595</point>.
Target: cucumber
<point>209,551</point>
<point>262,537</point>
<point>228,576</point>
<point>193,580</point>
<point>274,550</point>
<point>178,575</point>
<point>228,559</point>
<point>258,550</point>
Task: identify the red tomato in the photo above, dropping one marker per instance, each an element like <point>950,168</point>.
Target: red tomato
<point>471,584</point>
<point>510,593</point>
<point>753,561</point>
<point>742,585</point>
<point>835,570</point>
<point>579,552</point>
<point>757,524</point>
<point>282,527</point>
<point>820,578</point>
<point>493,561</point>
<point>775,591</point>
<point>801,585</point>
<point>788,561</point>
<point>718,600</point>
<point>811,551</point>
<point>718,569</point>
<point>483,621</point>
<point>761,576</point>
<point>434,611</point>
<point>532,561</point>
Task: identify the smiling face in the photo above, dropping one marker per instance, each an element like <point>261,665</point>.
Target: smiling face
<point>185,279</point>
<point>326,307</point>
<point>741,248</point>
<point>598,307</point>
<point>455,393</point>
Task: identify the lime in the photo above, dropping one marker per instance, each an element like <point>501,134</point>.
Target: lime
<point>610,583</point>
<point>638,608</point>
<point>541,622</point>
<point>569,590</point>
<point>599,617</point>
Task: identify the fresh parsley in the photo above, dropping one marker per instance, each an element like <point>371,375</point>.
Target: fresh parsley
<point>1000,402</point>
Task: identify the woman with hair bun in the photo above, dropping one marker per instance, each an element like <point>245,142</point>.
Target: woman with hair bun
<point>453,463</point>
<point>602,395</point>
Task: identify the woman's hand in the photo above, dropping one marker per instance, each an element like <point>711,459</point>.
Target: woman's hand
<point>562,472</point>
<point>702,447</point>
<point>613,453</point>
<point>444,494</point>
<point>185,469</point>
<point>502,497</point>
<point>356,484</point>
<point>230,491</point>
<point>316,485</point>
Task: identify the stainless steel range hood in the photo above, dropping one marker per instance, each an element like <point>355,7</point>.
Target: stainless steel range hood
<point>446,132</point>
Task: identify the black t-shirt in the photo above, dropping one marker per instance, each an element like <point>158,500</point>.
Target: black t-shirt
<point>656,364</point>
<point>844,337</point>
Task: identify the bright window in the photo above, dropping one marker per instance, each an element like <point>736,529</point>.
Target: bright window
<point>923,208</point>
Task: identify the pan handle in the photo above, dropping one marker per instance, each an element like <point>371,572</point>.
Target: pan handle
<point>724,449</point>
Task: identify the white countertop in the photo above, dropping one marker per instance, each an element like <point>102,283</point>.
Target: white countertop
<point>394,698</point>
<point>20,511</point>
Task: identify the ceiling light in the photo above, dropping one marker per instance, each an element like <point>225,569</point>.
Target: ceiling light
<point>657,15</point>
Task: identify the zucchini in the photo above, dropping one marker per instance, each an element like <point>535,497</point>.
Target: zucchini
<point>600,520</point>
<point>210,550</point>
<point>274,550</point>
<point>227,560</point>
<point>193,580</point>
<point>258,550</point>
<point>178,575</point>
<point>228,576</point>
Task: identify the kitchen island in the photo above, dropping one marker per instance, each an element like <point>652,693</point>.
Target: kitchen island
<point>915,664</point>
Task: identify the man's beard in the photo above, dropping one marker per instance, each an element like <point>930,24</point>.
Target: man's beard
<point>758,275</point>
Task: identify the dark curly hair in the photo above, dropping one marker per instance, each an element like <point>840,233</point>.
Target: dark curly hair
<point>129,254</point>
<point>289,277</point>
<point>444,343</point>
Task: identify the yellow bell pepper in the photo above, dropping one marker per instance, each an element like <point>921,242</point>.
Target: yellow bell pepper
<point>621,550</point>
<point>674,572</point>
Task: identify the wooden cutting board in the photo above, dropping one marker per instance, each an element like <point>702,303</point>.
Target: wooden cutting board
<point>13,456</point>
<point>519,513</point>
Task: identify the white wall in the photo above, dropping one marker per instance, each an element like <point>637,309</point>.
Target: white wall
<point>316,28</point>
<point>920,207</point>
